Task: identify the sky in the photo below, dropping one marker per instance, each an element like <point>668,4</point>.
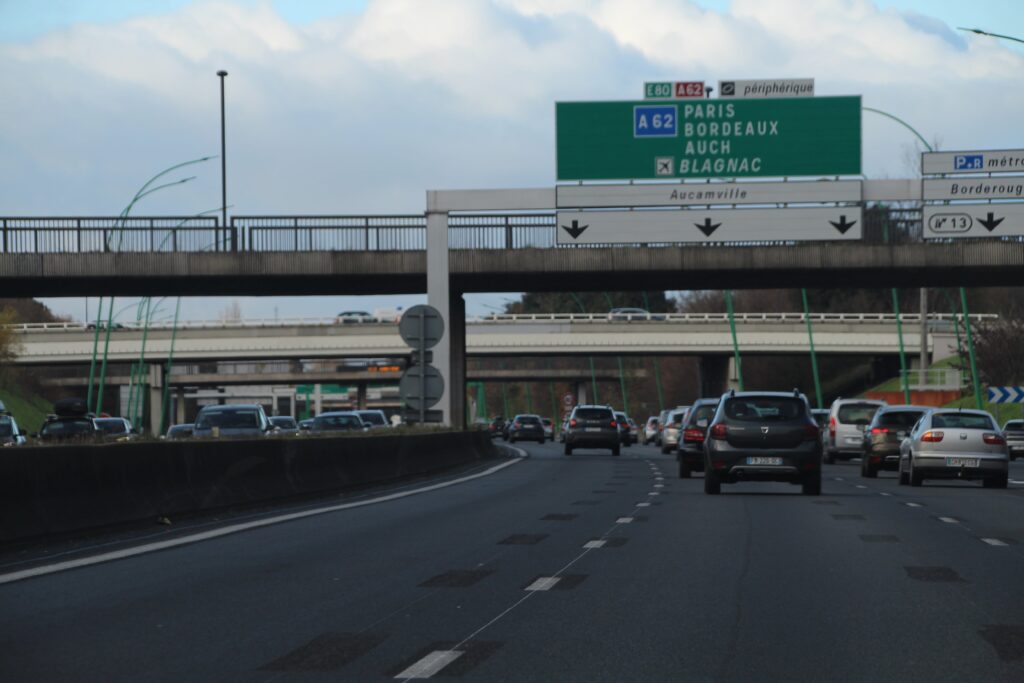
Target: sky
<point>360,106</point>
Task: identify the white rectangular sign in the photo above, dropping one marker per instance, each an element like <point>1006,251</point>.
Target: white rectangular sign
<point>771,87</point>
<point>999,187</point>
<point>973,220</point>
<point>707,194</point>
<point>712,225</point>
<point>978,161</point>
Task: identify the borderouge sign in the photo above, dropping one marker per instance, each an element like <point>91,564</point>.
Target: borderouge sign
<point>809,136</point>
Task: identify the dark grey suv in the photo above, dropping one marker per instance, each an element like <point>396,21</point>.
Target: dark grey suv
<point>763,436</point>
<point>592,427</point>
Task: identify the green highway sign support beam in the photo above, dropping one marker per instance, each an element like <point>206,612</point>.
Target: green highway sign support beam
<point>814,356</point>
<point>735,344</point>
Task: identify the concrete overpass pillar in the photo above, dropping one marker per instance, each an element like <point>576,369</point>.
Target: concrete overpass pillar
<point>581,393</point>
<point>361,395</point>
<point>733,377</point>
<point>714,373</point>
<point>156,384</point>
<point>457,334</point>
<point>438,296</point>
<point>179,406</point>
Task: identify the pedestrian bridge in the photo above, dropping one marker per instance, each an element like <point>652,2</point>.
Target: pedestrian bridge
<point>500,335</point>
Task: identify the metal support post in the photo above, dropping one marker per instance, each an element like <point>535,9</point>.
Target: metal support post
<point>657,365</point>
<point>975,381</point>
<point>735,344</point>
<point>95,348</point>
<point>814,356</point>
<point>903,355</point>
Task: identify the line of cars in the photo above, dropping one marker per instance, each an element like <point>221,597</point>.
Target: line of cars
<point>776,436</point>
<point>240,420</point>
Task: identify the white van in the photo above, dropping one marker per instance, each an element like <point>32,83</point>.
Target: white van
<point>847,420</point>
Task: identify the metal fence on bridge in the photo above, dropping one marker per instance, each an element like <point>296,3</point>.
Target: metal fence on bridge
<point>90,234</point>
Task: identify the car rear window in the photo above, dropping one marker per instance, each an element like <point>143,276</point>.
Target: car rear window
<point>703,412</point>
<point>63,427</point>
<point>284,422</point>
<point>111,426</point>
<point>678,417</point>
<point>6,426</point>
<point>899,418</point>
<point>857,413</point>
<point>228,419</point>
<point>962,421</point>
<point>529,420</point>
<point>593,414</point>
<point>372,417</point>
<point>338,422</point>
<point>764,408</point>
<point>1014,424</point>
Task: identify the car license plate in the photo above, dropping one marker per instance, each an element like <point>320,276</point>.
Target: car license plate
<point>760,460</point>
<point>901,435</point>
<point>853,439</point>
<point>963,462</point>
<point>593,429</point>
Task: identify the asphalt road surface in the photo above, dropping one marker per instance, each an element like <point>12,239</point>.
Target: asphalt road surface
<point>551,568</point>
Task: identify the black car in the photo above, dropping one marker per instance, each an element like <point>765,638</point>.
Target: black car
<point>690,453</point>
<point>763,436</point>
<point>526,428</point>
<point>882,438</point>
<point>592,427</point>
<point>496,426</point>
<point>69,428</point>
<point>626,435</point>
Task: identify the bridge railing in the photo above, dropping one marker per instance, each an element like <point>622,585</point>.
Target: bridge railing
<point>345,233</point>
<point>81,234</point>
<point>527,318</point>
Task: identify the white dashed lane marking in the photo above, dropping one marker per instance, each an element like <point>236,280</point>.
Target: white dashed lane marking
<point>654,493</point>
<point>544,583</point>
<point>949,520</point>
<point>913,505</point>
<point>594,544</point>
<point>883,493</point>
<point>993,541</point>
<point>624,520</point>
<point>643,505</point>
<point>431,664</point>
<point>861,486</point>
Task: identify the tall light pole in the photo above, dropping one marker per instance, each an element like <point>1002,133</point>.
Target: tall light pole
<point>223,158</point>
<point>992,35</point>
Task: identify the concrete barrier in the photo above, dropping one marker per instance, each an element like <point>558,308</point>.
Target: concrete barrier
<point>60,489</point>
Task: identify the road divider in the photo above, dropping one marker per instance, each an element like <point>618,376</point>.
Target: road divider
<point>63,489</point>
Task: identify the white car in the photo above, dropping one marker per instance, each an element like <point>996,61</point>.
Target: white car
<point>955,444</point>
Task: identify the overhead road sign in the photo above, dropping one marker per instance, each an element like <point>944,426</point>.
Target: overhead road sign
<point>707,194</point>
<point>973,220</point>
<point>978,161</point>
<point>713,225</point>
<point>673,90</point>
<point>812,136</point>
<point>999,187</point>
<point>1006,394</point>
<point>772,87</point>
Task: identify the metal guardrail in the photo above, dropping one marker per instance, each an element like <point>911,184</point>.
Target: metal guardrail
<point>74,235</point>
<point>90,234</point>
<point>668,318</point>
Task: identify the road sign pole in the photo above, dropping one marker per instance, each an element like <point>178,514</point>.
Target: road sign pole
<point>903,358</point>
<point>814,357</point>
<point>970,350</point>
<point>423,363</point>
<point>735,344</point>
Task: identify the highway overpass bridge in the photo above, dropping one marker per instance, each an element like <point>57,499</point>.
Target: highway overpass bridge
<point>496,336</point>
<point>474,241</point>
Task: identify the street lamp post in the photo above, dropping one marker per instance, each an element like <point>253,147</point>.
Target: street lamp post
<point>223,157</point>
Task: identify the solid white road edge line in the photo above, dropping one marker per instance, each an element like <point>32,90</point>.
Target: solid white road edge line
<point>431,664</point>
<point>233,529</point>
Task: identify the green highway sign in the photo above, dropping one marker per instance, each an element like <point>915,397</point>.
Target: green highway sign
<point>324,389</point>
<point>799,136</point>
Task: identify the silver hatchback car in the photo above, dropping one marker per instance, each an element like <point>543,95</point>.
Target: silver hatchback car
<point>955,444</point>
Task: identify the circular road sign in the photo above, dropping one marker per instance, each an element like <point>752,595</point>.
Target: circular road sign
<point>425,378</point>
<point>568,400</point>
<point>421,326</point>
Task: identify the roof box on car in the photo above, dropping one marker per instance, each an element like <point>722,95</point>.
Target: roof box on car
<point>70,407</point>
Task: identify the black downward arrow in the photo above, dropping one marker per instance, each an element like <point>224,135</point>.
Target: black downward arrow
<point>842,226</point>
<point>576,229</point>
<point>708,227</point>
<point>992,222</point>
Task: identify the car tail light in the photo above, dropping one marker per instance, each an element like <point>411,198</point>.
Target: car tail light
<point>693,435</point>
<point>832,428</point>
<point>993,439</point>
<point>719,431</point>
<point>811,433</point>
<point>572,423</point>
<point>516,425</point>
<point>719,464</point>
<point>879,430</point>
<point>932,437</point>
<point>614,423</point>
<point>670,425</point>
